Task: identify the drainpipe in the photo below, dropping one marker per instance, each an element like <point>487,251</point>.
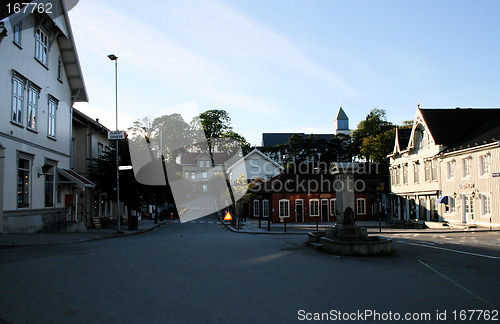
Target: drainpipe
<point>2,164</point>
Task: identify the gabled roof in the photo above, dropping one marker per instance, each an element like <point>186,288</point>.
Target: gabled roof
<point>341,115</point>
<point>259,153</point>
<point>402,139</point>
<point>66,42</point>
<point>449,126</point>
<point>189,158</point>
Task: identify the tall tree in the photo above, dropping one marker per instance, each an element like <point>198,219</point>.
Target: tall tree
<point>368,138</point>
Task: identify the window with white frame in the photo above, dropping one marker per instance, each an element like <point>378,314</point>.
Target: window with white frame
<point>265,208</point>
<point>284,208</point>
<point>186,174</point>
<point>204,175</point>
<point>17,100</point>
<point>466,167</point>
<point>51,131</point>
<point>434,170</point>
<point>450,169</point>
<point>205,188</point>
<point>41,46</point>
<point>18,33</point>
<point>485,205</point>
<point>484,165</point>
<point>397,176</point>
<point>202,163</point>
<point>60,69</point>
<point>416,170</point>
<point>452,205</point>
<point>256,208</point>
<point>23,182</point>
<point>100,149</point>
<point>193,175</point>
<point>361,206</point>
<point>405,173</point>
<point>208,164</point>
<point>50,187</point>
<point>314,207</point>
<point>428,170</point>
<point>33,94</point>
<point>333,207</point>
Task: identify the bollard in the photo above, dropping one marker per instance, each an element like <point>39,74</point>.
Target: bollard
<point>317,225</point>
<point>268,223</point>
<point>284,222</point>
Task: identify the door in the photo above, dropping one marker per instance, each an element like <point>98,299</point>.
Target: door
<point>299,210</point>
<point>324,210</point>
<point>468,209</point>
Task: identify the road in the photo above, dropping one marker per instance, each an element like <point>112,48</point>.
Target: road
<point>198,272</point>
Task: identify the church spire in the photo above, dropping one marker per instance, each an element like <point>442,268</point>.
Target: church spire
<point>341,123</point>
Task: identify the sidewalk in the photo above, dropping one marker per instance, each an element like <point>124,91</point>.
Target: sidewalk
<point>252,226</point>
<point>19,240</point>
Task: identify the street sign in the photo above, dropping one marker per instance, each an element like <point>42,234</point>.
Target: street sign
<point>117,135</point>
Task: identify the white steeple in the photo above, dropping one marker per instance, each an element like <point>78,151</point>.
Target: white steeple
<point>341,123</point>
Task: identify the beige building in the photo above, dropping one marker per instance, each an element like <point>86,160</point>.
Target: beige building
<point>445,168</point>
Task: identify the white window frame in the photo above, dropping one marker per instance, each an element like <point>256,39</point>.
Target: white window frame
<point>21,185</point>
<point>314,211</point>
<point>361,206</point>
<point>485,205</point>
<point>284,208</point>
<point>204,175</point>
<point>405,173</point>
<point>32,107</point>
<point>201,164</point>
<point>265,208</point>
<point>50,174</point>
<point>42,46</point>
<point>450,169</point>
<point>256,208</point>
<point>193,175</point>
<point>333,207</point>
<point>18,88</point>
<point>208,164</point>
<point>416,172</point>
<point>467,167</point>
<point>452,207</point>
<point>204,188</point>
<point>52,118</point>
<point>484,165</point>
<point>17,31</point>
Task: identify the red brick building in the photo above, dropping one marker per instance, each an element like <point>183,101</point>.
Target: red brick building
<point>310,197</point>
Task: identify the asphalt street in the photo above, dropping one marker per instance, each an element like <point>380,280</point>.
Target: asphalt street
<point>198,272</point>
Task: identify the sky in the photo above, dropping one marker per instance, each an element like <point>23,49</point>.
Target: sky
<point>286,65</point>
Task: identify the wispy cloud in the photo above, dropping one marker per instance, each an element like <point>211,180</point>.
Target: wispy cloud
<point>207,49</point>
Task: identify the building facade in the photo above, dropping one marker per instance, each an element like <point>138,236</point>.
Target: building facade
<point>41,80</point>
<point>445,167</point>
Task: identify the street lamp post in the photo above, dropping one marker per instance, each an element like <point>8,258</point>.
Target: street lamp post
<point>113,57</point>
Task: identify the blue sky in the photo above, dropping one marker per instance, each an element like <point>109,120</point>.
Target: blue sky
<point>287,65</point>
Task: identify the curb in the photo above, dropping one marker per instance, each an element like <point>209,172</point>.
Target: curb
<point>13,245</point>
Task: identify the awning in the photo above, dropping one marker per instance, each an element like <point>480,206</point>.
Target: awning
<point>443,200</point>
<point>75,178</point>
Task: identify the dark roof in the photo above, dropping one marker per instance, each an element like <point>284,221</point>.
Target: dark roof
<point>449,126</point>
<point>192,158</point>
<point>403,135</point>
<point>81,118</point>
<point>272,139</point>
<point>341,115</point>
<point>488,132</point>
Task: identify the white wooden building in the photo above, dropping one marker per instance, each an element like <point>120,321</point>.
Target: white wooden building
<point>41,79</point>
<point>446,167</point>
